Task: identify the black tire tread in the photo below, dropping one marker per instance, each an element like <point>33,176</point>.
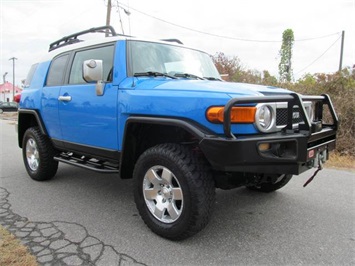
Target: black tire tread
<point>48,166</point>
<point>200,181</point>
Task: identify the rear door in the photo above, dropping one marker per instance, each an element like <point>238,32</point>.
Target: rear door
<point>88,121</point>
<point>50,93</point>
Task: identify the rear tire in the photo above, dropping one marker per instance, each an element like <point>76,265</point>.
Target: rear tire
<point>38,153</point>
<point>173,190</point>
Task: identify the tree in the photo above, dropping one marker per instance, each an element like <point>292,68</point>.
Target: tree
<point>251,76</point>
<point>226,65</point>
<point>268,79</point>
<point>285,69</point>
<point>236,72</point>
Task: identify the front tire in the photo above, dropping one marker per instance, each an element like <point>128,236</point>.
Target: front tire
<point>174,191</point>
<point>38,153</point>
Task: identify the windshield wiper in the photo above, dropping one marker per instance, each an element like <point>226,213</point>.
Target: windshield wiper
<point>153,74</point>
<point>213,78</point>
<point>187,75</point>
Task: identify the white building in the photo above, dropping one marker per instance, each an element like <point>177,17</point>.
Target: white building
<point>6,92</point>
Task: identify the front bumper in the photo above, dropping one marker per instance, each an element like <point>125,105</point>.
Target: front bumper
<point>288,154</point>
<point>291,151</point>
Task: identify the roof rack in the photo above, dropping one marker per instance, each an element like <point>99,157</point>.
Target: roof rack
<point>73,38</point>
<point>172,40</point>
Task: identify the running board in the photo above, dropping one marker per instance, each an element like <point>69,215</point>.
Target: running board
<point>88,163</point>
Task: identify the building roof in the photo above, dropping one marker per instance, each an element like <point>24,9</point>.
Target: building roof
<point>7,88</point>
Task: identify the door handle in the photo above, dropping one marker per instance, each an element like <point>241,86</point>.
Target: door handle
<point>64,98</point>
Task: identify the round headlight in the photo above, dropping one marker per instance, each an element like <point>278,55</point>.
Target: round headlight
<point>264,117</point>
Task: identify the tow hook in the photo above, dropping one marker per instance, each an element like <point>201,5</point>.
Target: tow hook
<point>320,167</point>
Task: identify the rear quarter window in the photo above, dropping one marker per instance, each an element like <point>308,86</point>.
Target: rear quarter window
<point>30,75</point>
<point>57,71</point>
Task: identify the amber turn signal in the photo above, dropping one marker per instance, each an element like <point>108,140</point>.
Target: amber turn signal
<point>238,114</point>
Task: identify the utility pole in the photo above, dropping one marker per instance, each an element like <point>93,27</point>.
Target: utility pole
<point>341,51</point>
<point>108,16</point>
<point>13,77</point>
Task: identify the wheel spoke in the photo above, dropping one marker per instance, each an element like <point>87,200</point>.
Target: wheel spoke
<point>173,211</point>
<point>177,193</point>
<point>150,193</point>
<point>153,177</point>
<point>34,164</point>
<point>167,176</point>
<point>159,211</point>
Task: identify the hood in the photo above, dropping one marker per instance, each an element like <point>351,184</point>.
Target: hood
<point>230,88</point>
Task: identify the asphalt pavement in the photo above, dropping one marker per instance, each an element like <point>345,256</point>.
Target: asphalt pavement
<point>85,218</point>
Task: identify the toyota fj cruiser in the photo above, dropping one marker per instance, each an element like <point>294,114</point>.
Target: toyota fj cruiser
<point>158,112</point>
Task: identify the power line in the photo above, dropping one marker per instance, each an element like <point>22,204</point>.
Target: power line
<point>223,36</point>
<point>319,56</point>
<point>316,38</point>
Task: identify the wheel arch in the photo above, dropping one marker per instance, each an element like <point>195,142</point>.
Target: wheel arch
<point>142,133</point>
<point>27,119</point>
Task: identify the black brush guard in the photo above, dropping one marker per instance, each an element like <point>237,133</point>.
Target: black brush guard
<point>291,149</point>
<point>292,100</point>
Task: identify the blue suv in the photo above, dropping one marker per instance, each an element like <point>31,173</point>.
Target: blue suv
<point>158,112</point>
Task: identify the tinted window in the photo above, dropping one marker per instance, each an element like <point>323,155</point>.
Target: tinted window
<point>57,71</point>
<point>102,53</point>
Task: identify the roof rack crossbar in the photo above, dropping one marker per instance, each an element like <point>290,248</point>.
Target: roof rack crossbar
<point>172,40</point>
<point>73,38</point>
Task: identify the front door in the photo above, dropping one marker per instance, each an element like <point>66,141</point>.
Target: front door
<point>86,119</point>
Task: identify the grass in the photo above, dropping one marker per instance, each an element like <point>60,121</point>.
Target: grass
<point>12,252</point>
<point>341,161</point>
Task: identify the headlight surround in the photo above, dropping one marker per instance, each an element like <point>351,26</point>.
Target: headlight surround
<point>265,117</point>
<point>310,110</point>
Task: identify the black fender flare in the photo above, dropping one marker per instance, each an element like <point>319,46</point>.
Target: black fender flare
<point>26,119</point>
<point>127,162</point>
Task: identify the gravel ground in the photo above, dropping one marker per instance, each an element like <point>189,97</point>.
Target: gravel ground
<point>12,116</point>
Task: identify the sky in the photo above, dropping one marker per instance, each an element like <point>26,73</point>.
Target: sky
<point>249,29</point>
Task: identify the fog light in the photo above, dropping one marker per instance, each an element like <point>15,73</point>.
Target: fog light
<point>264,146</point>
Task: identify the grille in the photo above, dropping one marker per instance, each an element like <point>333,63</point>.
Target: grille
<point>281,116</point>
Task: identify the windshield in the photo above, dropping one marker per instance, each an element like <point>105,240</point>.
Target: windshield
<point>149,57</point>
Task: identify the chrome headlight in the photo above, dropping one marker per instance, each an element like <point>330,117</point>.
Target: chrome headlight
<point>265,117</point>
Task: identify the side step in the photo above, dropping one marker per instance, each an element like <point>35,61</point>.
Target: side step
<point>88,163</point>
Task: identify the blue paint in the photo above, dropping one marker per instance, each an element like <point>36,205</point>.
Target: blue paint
<point>99,121</point>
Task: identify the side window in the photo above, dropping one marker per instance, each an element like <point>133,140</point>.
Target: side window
<point>57,71</point>
<point>30,75</point>
<point>101,53</point>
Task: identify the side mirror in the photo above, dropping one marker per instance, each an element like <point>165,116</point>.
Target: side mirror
<point>93,71</point>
